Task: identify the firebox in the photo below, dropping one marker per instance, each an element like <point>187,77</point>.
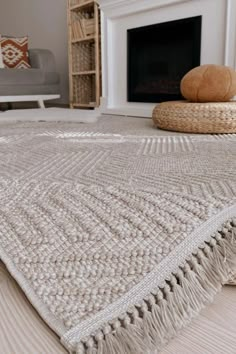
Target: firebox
<point>159,56</point>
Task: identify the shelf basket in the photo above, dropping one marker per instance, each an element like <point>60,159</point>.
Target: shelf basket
<point>84,90</point>
<point>83,56</point>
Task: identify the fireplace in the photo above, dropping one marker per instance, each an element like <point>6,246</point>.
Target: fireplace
<point>217,36</point>
<point>159,56</point>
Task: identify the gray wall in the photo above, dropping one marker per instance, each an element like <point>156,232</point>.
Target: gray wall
<point>45,22</point>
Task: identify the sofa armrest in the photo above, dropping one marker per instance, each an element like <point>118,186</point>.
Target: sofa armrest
<point>42,59</point>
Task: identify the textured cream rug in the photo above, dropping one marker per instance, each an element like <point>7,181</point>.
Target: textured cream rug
<point>52,114</point>
<point>117,233</point>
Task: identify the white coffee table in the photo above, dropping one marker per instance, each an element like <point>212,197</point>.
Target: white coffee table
<point>25,98</point>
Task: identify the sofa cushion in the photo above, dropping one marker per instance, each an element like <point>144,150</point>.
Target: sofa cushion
<point>15,52</point>
<point>27,77</point>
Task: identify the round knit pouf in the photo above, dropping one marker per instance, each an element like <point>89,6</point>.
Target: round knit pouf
<point>187,117</point>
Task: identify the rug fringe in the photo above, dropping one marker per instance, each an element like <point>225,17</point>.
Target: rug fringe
<point>148,327</point>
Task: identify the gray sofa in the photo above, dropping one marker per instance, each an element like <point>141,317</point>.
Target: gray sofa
<point>41,79</point>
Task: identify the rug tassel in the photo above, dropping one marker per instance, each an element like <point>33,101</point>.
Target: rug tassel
<point>202,276</point>
<point>152,330</point>
<point>177,303</point>
<point>132,337</point>
<point>149,326</point>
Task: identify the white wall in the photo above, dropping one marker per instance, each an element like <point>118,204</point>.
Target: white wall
<point>45,22</point>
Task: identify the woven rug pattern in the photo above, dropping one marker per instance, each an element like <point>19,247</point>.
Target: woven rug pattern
<point>96,218</point>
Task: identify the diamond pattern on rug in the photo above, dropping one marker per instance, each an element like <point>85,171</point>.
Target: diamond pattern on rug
<point>71,152</point>
<point>87,215</point>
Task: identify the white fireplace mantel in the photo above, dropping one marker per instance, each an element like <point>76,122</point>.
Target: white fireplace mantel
<point>218,41</point>
<point>118,8</point>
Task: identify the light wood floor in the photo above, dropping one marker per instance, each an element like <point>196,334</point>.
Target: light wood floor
<point>23,332</point>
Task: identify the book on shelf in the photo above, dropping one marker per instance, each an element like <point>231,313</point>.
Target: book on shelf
<point>77,30</point>
<point>82,28</point>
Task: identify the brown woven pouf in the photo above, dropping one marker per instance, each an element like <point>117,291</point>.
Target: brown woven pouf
<point>187,117</point>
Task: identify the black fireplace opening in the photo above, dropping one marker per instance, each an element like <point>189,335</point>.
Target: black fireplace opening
<point>159,56</point>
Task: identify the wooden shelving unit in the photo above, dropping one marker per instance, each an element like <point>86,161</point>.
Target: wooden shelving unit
<point>84,53</point>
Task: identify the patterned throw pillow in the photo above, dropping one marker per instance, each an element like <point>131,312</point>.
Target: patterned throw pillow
<point>1,59</point>
<point>15,52</point>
